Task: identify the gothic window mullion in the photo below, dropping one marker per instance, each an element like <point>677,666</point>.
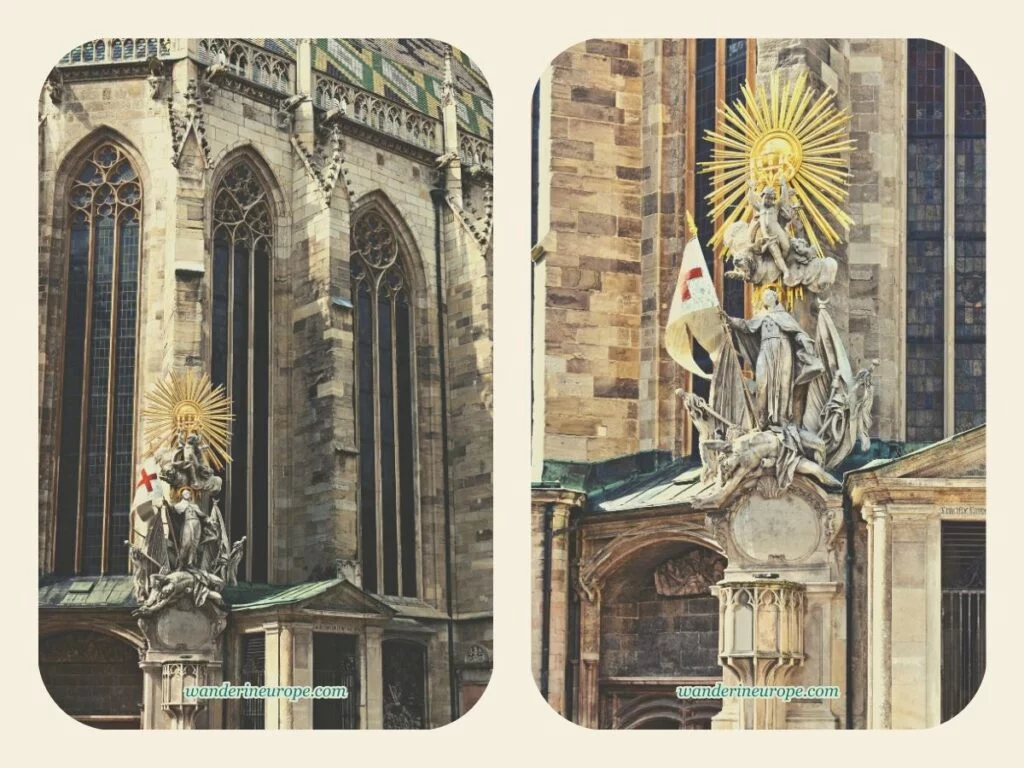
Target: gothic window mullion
<point>83,440</point>
<point>229,381</point>
<point>250,417</point>
<point>97,464</point>
<point>378,500</point>
<point>396,440</point>
<point>111,391</point>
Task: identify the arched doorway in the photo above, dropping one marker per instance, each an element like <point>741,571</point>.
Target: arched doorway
<point>659,630</point>
<point>95,678</point>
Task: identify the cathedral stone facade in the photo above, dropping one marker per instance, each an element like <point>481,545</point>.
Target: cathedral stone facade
<point>626,606</point>
<point>309,223</point>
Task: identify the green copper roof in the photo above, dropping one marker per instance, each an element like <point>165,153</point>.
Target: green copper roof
<point>88,592</point>
<point>652,478</point>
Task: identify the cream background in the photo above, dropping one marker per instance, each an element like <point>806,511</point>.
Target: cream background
<point>512,44</point>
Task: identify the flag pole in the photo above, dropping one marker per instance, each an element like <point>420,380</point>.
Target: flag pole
<point>728,332</point>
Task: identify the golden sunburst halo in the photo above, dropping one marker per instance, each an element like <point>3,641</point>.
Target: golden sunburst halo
<point>189,404</point>
<point>777,133</point>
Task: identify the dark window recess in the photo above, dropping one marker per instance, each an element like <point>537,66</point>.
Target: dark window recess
<point>534,162</point>
<point>733,298</point>
<point>969,243</point>
<point>97,408</point>
<point>963,614</point>
<point>386,428</point>
<point>405,670</point>
<point>240,341</point>
<point>705,107</point>
<point>336,663</point>
<point>925,256</point>
<point>254,664</point>
<point>94,677</point>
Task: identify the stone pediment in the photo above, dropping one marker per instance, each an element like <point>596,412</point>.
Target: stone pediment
<point>960,456</point>
<point>336,596</point>
<point>947,474</point>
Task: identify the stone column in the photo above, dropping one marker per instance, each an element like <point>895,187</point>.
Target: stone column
<point>272,675</point>
<point>590,659</point>
<point>450,127</point>
<point>915,658</point>
<point>302,675</point>
<point>304,124</point>
<point>153,716</point>
<point>561,505</point>
<point>880,645</point>
<point>285,675</point>
<point>373,680</point>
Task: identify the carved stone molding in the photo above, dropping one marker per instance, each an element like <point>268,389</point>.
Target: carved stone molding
<point>325,164</point>
<point>476,656</point>
<point>189,120</point>
<point>479,227</point>
<point>594,569</point>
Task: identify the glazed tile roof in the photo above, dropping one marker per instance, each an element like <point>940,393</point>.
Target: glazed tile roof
<point>407,70</point>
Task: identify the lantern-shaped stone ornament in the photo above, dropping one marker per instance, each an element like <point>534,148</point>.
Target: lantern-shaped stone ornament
<point>760,642</point>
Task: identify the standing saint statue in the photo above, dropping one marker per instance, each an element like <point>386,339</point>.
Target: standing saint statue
<point>190,528</point>
<point>781,354</point>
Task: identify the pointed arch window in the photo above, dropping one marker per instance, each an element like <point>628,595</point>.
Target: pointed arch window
<point>383,359</point>
<point>97,411</point>
<point>240,347</point>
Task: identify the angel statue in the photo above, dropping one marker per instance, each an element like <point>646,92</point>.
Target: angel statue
<point>782,355</point>
<point>805,269</point>
<point>771,216</point>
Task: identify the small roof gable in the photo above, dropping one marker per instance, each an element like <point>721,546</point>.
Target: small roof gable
<point>960,456</point>
<point>336,595</point>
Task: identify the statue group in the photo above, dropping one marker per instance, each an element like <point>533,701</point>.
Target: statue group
<point>803,410</point>
<point>186,552</point>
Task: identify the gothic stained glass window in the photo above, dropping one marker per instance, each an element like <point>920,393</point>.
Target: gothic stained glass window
<point>384,409</point>
<point>969,248</point>
<point>240,359</point>
<point>935,139</point>
<point>925,253</point>
<point>95,464</point>
<point>404,668</point>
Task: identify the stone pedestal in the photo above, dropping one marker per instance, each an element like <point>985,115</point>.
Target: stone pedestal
<point>183,650</point>
<point>782,618</point>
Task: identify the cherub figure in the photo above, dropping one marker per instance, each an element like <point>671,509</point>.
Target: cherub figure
<point>772,217</point>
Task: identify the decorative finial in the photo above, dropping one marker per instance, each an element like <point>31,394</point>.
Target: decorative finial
<point>690,225</point>
<point>449,79</point>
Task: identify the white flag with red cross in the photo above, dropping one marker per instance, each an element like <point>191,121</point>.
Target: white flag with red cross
<point>148,490</point>
<point>694,315</point>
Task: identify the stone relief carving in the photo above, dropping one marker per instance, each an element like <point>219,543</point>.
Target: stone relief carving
<point>692,574</point>
<point>593,568</point>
